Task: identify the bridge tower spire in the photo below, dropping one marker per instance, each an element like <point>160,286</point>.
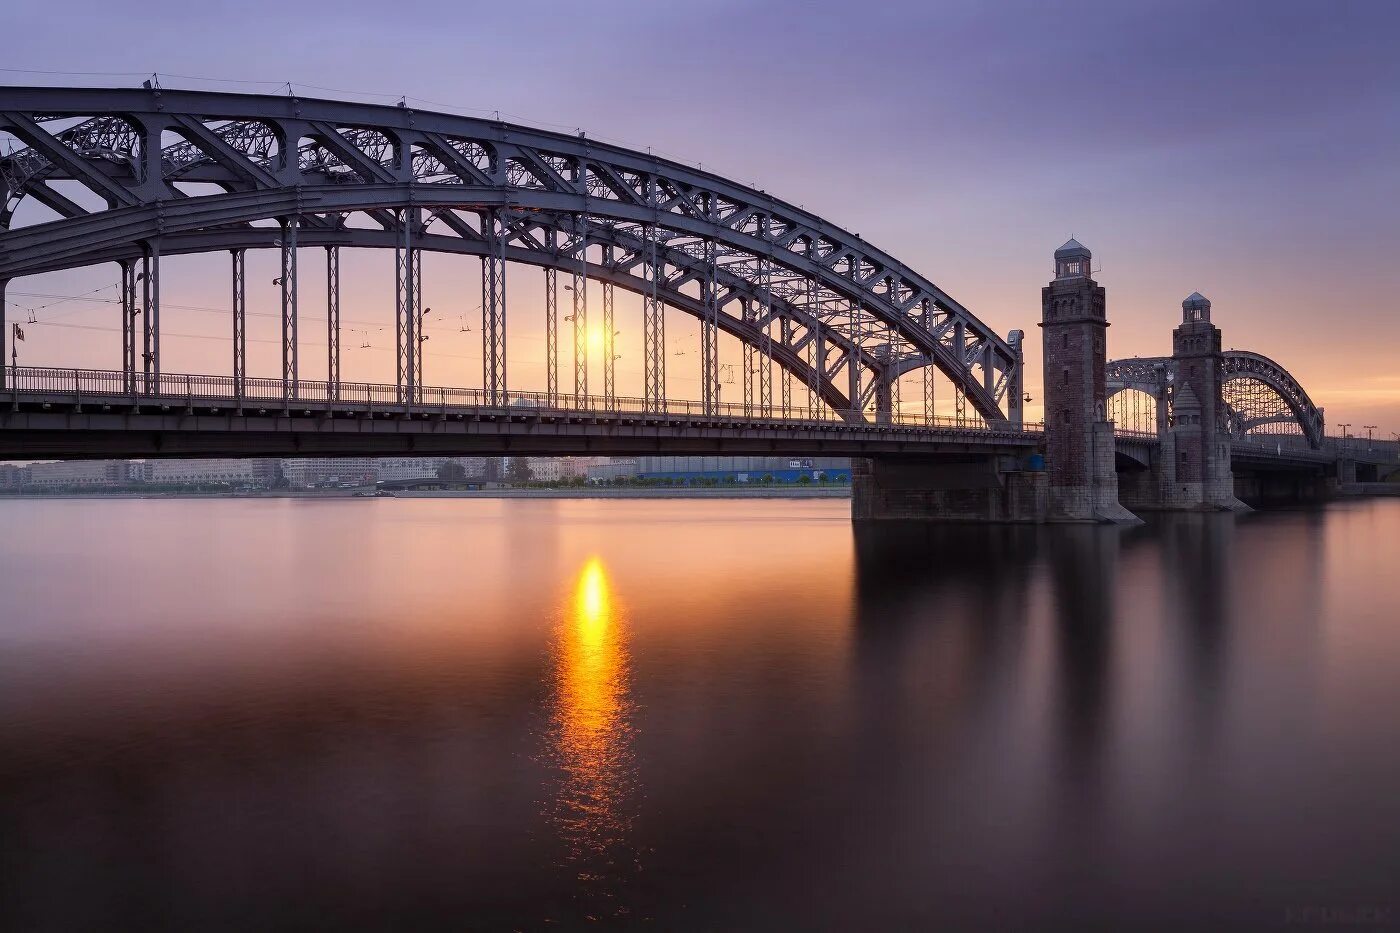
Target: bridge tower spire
<point>1199,450</point>
<point>1079,443</point>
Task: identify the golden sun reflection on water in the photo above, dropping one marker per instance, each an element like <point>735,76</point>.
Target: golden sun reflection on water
<point>591,735</point>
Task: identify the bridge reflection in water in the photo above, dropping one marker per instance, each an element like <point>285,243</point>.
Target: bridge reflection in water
<point>590,739</point>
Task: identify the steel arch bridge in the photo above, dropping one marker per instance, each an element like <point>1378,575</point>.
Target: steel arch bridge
<point>1258,393</point>
<point>166,172</point>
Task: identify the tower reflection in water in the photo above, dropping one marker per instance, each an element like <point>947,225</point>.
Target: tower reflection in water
<point>591,736</point>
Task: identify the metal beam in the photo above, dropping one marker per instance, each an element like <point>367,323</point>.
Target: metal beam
<point>240,322</point>
<point>333,321</point>
<point>551,335</point>
<point>288,281</point>
<point>493,313</point>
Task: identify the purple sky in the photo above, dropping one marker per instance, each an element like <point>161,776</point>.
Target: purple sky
<point>1250,150</point>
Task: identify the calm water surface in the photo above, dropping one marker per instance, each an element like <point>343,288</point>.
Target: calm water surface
<point>453,714</point>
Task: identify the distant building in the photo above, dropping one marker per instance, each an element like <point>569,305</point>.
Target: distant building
<point>744,469</point>
<point>612,468</point>
<point>234,472</point>
<point>12,476</point>
<point>558,469</point>
<point>90,474</point>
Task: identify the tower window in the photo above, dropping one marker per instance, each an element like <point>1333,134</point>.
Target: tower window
<point>1064,341</point>
<point>1066,376</point>
<point>1065,415</point>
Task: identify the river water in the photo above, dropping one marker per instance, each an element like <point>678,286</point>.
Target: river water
<point>526,714</point>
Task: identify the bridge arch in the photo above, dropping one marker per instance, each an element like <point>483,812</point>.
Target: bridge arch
<point>1258,392</point>
<point>176,170</point>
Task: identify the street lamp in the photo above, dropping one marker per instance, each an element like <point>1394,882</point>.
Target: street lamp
<point>1369,428</point>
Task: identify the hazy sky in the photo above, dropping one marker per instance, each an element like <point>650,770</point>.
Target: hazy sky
<point>1249,150</point>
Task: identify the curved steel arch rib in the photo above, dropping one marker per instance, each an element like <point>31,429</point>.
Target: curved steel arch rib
<point>1238,366</point>
<point>321,160</point>
<point>787,354</point>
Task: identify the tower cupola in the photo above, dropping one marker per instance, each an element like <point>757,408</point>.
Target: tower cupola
<point>1196,307</point>
<point>1072,260</point>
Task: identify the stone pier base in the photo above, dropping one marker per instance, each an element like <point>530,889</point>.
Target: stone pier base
<point>965,489</point>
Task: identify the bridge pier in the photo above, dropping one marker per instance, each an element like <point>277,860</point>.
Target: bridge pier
<point>1080,448</point>
<point>952,488</point>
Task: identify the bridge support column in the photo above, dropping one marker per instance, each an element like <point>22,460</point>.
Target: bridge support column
<point>404,313</point>
<point>150,327</point>
<point>709,337</point>
<point>653,332</point>
<point>580,315</point>
<point>551,337</point>
<point>1080,449</point>
<point>493,315</point>
<point>240,325</point>
<point>5,333</point>
<point>333,322</point>
<point>609,342</point>
<point>128,289</point>
<point>288,281</point>
<point>955,488</point>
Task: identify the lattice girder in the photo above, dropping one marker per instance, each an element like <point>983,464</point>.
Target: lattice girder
<point>379,160</point>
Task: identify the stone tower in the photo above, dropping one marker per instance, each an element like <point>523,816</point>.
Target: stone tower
<point>1201,454</point>
<point>1079,445</point>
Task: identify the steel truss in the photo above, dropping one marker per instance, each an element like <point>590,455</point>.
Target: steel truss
<point>322,162</point>
<point>1260,396</point>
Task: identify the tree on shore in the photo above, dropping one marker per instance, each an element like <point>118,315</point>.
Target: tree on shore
<point>451,471</point>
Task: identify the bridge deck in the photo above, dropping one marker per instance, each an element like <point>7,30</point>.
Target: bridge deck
<point>69,413</point>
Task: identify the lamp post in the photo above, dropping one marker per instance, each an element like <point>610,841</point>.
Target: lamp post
<point>1369,428</point>
<point>1344,436</point>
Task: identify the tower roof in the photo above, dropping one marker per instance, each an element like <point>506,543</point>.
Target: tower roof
<point>1185,397</point>
<point>1072,247</point>
<point>1196,296</point>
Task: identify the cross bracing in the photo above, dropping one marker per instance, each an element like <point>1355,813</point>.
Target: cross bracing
<point>188,171</point>
<point>1260,395</point>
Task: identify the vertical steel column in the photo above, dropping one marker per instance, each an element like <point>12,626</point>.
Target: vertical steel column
<point>4,332</point>
<point>288,281</point>
<point>493,312</point>
<point>333,323</point>
<point>853,378</point>
<point>150,325</point>
<point>928,374</point>
<point>240,323</point>
<point>580,315</point>
<point>551,336</point>
<point>128,288</point>
<point>765,371</point>
<point>709,336</point>
<point>750,366</point>
<point>816,375</point>
<point>654,327</point>
<point>415,282</point>
<point>403,309</point>
<point>1015,382</point>
<point>609,343</point>
<point>959,403</point>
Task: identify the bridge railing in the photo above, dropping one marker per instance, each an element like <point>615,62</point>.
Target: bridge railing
<point>95,386</point>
